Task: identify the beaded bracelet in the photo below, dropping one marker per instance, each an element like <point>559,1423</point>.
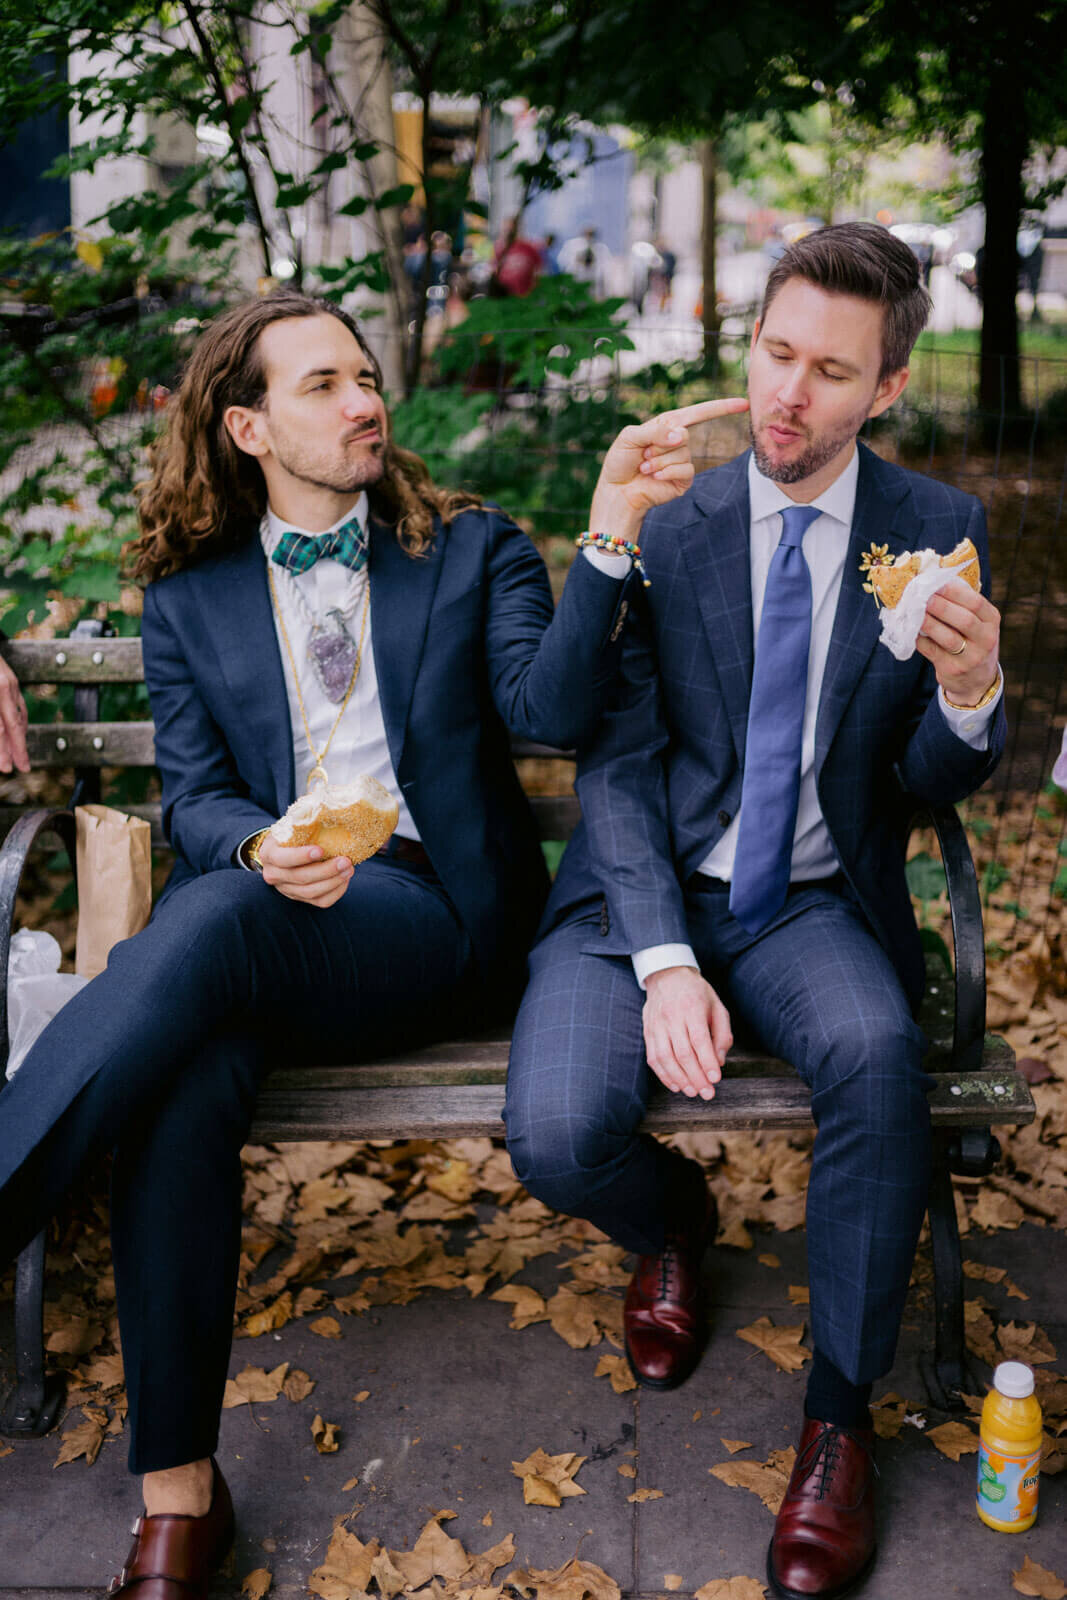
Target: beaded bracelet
<point>614,546</point>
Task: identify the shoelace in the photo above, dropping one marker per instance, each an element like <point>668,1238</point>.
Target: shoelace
<point>670,1273</point>
<point>820,1457</point>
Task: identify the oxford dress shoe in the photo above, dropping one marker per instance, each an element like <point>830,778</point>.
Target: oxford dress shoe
<point>173,1557</point>
<point>664,1324</point>
<point>823,1544</point>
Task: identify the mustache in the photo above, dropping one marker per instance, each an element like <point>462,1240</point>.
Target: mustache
<point>367,430</point>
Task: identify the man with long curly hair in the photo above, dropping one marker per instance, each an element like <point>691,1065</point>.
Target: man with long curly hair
<point>312,599</point>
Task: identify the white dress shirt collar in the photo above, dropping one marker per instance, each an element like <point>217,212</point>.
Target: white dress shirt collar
<point>766,498</point>
<point>272,526</point>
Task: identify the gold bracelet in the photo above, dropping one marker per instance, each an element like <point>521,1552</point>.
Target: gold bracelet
<point>253,849</point>
<point>984,701</point>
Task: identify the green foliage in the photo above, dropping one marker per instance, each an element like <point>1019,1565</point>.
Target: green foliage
<point>547,333</point>
<point>926,877</point>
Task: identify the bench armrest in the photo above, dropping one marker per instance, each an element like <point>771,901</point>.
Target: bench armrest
<point>13,856</point>
<point>968,935</point>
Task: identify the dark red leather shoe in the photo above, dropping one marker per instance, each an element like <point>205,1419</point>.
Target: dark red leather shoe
<point>173,1557</point>
<point>664,1325</point>
<point>823,1544</point>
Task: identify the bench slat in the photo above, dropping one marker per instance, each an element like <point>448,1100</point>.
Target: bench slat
<point>91,744</point>
<point>35,660</point>
<point>472,1110</point>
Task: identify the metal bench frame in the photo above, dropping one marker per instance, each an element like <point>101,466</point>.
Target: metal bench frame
<point>456,1088</point>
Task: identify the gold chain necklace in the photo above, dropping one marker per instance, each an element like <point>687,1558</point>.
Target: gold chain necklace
<point>318,771</point>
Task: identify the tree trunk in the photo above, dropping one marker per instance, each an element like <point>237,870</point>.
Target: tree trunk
<point>367,79</point>
<point>1004,148</point>
<point>709,171</point>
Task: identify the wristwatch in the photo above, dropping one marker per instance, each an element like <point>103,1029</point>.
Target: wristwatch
<point>252,851</point>
<point>984,701</point>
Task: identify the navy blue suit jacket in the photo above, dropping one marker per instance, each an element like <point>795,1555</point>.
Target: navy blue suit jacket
<point>467,651</point>
<point>661,780</point>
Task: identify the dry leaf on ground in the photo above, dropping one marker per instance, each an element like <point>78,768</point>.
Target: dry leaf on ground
<point>639,1496</point>
<point>953,1439</point>
<point>769,1479</point>
<point>257,1583</point>
<point>627,1471</point>
<point>734,1445</point>
<point>672,1580</point>
<point>768,1259</point>
<point>527,1305</point>
<point>1034,1580</point>
<point>732,1589</point>
<point>298,1385</point>
<point>325,1436</point>
<point>1025,1341</point>
<point>83,1440</point>
<point>254,1385</point>
<point>799,1294</point>
<point>326,1327</point>
<point>781,1344</point>
<point>435,1555</point>
<point>575,1580</point>
<point>346,1569</point>
<point>548,1480</point>
<point>617,1369</point>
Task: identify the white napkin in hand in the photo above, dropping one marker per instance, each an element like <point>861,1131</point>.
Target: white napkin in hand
<point>901,623</point>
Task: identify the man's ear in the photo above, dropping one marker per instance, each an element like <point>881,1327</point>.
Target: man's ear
<point>755,334</point>
<point>247,428</point>
<point>890,388</point>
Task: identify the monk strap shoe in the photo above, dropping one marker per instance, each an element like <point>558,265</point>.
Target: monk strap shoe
<point>173,1557</point>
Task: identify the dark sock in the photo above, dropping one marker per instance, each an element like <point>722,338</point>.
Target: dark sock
<point>831,1398</point>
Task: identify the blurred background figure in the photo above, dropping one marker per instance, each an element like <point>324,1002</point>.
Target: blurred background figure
<point>518,261</point>
<point>586,259</point>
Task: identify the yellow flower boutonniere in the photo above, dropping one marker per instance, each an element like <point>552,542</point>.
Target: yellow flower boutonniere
<point>877,556</point>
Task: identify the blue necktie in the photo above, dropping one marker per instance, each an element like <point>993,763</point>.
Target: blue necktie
<point>300,551</point>
<point>770,790</point>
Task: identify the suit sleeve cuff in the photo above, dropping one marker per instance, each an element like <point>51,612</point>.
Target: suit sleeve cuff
<point>968,723</point>
<point>660,956</point>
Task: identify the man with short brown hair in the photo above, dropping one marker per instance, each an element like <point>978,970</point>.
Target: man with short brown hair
<point>741,853</point>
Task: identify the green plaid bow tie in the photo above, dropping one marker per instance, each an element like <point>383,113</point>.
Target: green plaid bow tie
<point>300,551</point>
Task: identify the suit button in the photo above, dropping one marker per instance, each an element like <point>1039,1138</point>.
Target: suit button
<point>725,819</point>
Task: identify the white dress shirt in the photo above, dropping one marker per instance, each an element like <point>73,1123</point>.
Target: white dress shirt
<point>359,745</point>
<point>825,547</point>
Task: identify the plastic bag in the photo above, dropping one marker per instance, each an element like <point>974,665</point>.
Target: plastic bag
<point>36,990</point>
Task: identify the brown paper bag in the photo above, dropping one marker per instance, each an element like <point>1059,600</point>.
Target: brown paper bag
<point>114,882</point>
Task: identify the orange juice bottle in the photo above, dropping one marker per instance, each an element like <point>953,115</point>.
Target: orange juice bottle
<point>1009,1450</point>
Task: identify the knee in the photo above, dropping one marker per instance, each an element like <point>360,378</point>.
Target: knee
<point>872,1071</point>
<point>558,1153</point>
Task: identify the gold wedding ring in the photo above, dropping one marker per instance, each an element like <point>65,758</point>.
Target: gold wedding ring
<point>960,651</point>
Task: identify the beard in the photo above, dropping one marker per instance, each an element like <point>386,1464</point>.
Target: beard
<point>335,472</point>
<point>818,451</point>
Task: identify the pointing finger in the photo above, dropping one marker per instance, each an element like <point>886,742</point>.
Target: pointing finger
<point>704,411</point>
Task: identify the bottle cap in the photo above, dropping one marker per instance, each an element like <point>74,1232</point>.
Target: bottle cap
<point>1013,1379</point>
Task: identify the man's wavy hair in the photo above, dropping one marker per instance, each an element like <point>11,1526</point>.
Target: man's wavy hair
<point>206,496</point>
<point>866,260</point>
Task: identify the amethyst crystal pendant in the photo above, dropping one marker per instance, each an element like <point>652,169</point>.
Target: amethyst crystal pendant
<point>333,654</point>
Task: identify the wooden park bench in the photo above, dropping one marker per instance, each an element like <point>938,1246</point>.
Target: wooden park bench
<point>456,1088</point>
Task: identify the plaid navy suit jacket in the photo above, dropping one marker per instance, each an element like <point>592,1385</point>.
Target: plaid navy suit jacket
<point>660,781</point>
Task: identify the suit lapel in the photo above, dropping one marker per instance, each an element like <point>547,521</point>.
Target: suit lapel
<point>401,592</point>
<point>880,495</point>
<point>235,603</point>
<point>716,546</point>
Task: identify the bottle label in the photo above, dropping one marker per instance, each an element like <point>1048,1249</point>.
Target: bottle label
<point>1007,1485</point>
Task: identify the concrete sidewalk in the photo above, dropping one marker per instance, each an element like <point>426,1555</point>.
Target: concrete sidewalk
<point>454,1398</point>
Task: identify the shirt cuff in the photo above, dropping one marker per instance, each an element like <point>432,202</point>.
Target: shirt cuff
<point>614,565</point>
<point>969,724</point>
<point>660,956</point>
